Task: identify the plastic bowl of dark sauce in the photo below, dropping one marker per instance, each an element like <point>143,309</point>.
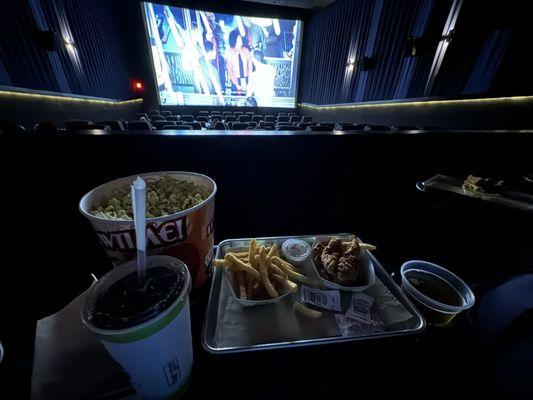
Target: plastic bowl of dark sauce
<point>438,293</point>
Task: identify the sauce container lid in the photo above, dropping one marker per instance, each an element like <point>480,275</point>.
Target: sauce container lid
<point>296,250</point>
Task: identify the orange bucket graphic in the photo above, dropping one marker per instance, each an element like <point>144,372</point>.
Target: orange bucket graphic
<point>186,235</point>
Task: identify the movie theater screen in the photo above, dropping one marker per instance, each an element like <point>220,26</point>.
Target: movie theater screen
<point>203,58</point>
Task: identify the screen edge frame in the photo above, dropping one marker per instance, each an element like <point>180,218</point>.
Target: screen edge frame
<point>300,48</point>
<point>152,67</point>
<point>147,36</point>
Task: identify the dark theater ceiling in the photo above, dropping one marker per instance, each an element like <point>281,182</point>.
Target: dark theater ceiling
<point>296,3</point>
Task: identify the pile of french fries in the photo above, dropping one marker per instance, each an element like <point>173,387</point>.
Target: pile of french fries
<point>260,273</point>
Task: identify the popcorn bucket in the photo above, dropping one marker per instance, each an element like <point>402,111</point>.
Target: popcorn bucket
<point>186,235</point>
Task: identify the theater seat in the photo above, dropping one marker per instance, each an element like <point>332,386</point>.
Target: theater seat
<point>161,124</point>
<point>321,128</point>
<point>89,128</point>
<point>294,119</point>
<point>237,113</point>
<point>270,118</point>
<point>138,116</point>
<point>166,113</point>
<point>220,126</point>
<point>306,118</point>
<point>328,124</point>
<point>240,126</point>
<point>230,118</point>
<point>266,125</point>
<point>286,127</point>
<point>45,128</point>
<point>139,126</point>
<point>9,128</point>
<point>250,114</point>
<point>503,322</point>
<point>187,118</point>
<point>153,112</point>
<point>257,118</point>
<point>377,128</point>
<point>282,119</point>
<point>396,128</point>
<point>194,125</point>
<point>116,125</point>
<point>75,123</point>
<point>154,118</point>
<point>304,125</point>
<point>252,124</point>
<point>203,113</point>
<point>243,118</point>
<point>348,126</point>
<point>173,118</point>
<point>177,127</point>
<point>202,118</point>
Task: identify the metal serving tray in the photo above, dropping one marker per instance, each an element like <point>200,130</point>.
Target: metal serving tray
<point>230,328</point>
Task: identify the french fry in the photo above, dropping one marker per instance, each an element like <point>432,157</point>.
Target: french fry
<point>282,263</point>
<point>291,273</point>
<point>239,264</point>
<point>242,255</point>
<point>260,271</point>
<point>240,283</point>
<point>288,285</point>
<point>274,251</point>
<point>263,268</point>
<point>275,269</point>
<point>366,246</point>
<point>306,310</point>
<point>252,251</point>
<point>221,263</point>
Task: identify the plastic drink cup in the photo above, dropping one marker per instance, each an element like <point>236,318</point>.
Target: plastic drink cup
<point>146,330</point>
<point>438,293</point>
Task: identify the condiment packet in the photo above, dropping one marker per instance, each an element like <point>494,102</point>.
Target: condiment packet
<point>352,327</point>
<point>327,299</point>
<point>359,318</point>
<point>360,308</point>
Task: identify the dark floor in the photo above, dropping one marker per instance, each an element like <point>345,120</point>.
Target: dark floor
<point>268,186</point>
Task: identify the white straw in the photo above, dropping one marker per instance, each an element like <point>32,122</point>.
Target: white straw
<point>138,203</point>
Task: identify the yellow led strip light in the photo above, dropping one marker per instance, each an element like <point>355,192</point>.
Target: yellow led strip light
<point>51,97</point>
<point>514,99</point>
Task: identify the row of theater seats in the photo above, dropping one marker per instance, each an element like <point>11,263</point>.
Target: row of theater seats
<point>237,120</point>
<point>143,124</point>
<point>226,116</point>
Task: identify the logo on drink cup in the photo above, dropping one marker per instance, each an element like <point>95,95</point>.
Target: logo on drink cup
<point>172,371</point>
<point>157,235</point>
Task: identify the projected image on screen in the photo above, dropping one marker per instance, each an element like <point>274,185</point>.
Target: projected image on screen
<point>211,59</point>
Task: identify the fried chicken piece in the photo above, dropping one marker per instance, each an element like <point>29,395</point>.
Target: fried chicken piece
<point>317,251</point>
<point>330,262</point>
<point>352,248</point>
<point>347,269</point>
<point>334,246</point>
<point>331,254</point>
<point>348,265</point>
